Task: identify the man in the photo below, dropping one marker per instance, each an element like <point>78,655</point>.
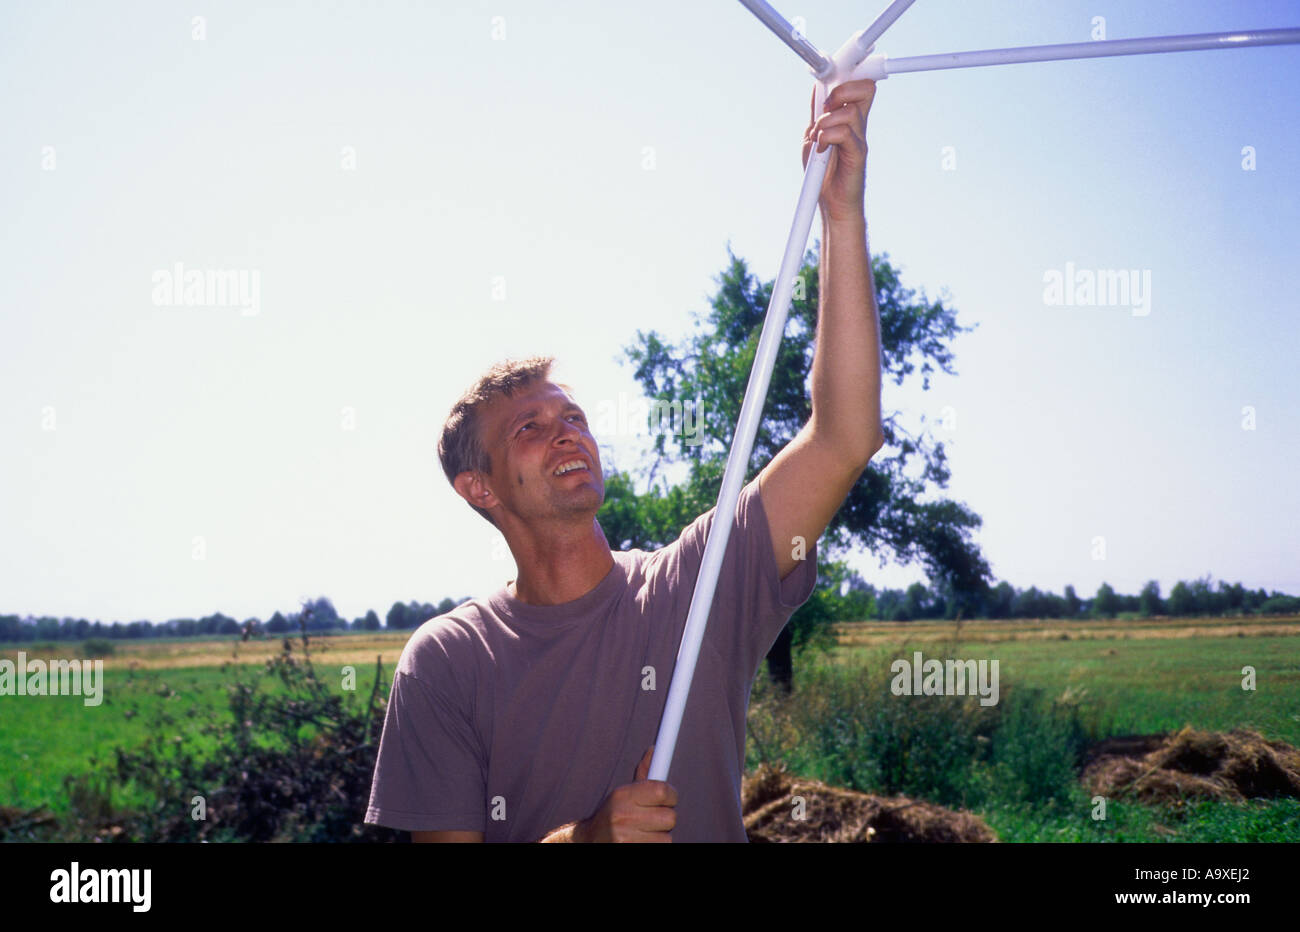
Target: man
<point>527,716</point>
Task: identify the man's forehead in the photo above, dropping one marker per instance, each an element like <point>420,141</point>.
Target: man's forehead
<point>505,409</point>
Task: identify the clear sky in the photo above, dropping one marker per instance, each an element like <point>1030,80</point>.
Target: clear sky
<point>420,189</point>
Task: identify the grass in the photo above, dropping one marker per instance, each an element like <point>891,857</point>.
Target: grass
<point>1203,822</point>
<point>1144,686</point>
<point>47,739</point>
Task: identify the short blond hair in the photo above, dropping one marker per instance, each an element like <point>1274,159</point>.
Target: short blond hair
<point>461,446</point>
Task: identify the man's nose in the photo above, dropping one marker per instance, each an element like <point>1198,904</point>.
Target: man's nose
<point>568,431</point>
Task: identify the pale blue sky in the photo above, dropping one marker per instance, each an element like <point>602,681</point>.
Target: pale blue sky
<point>130,146</point>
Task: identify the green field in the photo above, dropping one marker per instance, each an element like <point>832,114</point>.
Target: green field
<point>1132,686</point>
<point>1124,678</point>
<point>45,739</point>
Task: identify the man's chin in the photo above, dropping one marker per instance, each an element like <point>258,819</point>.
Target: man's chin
<point>585,500</point>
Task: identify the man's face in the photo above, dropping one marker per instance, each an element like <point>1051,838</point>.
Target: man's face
<point>528,438</point>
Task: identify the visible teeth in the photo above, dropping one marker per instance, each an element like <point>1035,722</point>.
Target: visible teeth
<point>569,467</point>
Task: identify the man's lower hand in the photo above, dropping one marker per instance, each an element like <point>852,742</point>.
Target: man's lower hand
<point>642,811</point>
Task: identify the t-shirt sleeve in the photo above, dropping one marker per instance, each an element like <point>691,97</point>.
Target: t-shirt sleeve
<point>430,772</point>
<point>752,603</point>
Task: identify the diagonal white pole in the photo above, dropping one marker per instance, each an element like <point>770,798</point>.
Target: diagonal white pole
<point>792,37</point>
<point>751,409</point>
<point>852,61</point>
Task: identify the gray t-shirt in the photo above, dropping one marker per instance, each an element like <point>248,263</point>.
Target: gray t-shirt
<point>513,719</point>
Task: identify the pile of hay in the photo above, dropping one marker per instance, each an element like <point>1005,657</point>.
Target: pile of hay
<point>770,800</point>
<point>1168,769</point>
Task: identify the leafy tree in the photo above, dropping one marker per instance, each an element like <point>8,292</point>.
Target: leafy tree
<point>1149,602</point>
<point>396,618</point>
<point>916,601</point>
<point>1201,595</point>
<point>1233,598</point>
<point>647,521</point>
<point>321,615</point>
<point>1181,599</point>
<point>411,615</point>
<point>1255,600</point>
<point>371,621</point>
<point>1105,604</point>
<point>1030,603</point>
<point>1279,604</point>
<point>12,628</point>
<point>889,605</point>
<point>278,624</point>
<point>884,512</point>
<point>857,598</point>
<point>1001,599</point>
<point>1073,604</point>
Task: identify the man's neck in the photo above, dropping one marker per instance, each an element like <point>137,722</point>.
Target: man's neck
<point>560,568</point>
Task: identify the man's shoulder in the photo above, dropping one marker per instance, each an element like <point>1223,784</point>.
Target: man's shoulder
<point>449,639</point>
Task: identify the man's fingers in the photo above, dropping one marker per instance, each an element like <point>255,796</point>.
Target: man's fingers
<point>658,819</point>
<point>643,768</point>
<point>845,115</point>
<point>667,792</point>
<point>838,136</point>
<point>653,793</point>
<point>652,823</point>
<point>854,92</point>
<point>649,793</point>
<point>651,838</point>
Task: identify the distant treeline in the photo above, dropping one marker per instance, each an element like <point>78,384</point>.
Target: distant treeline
<point>317,615</point>
<point>1197,597</point>
<point>862,601</point>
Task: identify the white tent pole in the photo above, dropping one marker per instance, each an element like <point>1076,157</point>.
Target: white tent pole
<point>742,445</point>
<point>792,37</point>
<point>851,55</point>
<point>867,37</point>
<point>821,66</point>
<point>883,67</point>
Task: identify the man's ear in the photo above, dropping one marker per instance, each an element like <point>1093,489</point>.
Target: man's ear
<point>472,487</point>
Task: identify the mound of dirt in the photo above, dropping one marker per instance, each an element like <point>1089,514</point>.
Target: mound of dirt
<point>778,807</point>
<point>1168,769</point>
<point>23,824</point>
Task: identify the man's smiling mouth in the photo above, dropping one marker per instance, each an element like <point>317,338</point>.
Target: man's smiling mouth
<point>573,465</point>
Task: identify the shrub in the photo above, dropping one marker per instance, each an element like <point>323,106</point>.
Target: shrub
<point>1036,748</point>
<point>98,647</point>
<point>290,765</point>
<point>844,726</point>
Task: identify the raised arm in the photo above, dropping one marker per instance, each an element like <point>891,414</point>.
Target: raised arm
<point>807,482</point>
